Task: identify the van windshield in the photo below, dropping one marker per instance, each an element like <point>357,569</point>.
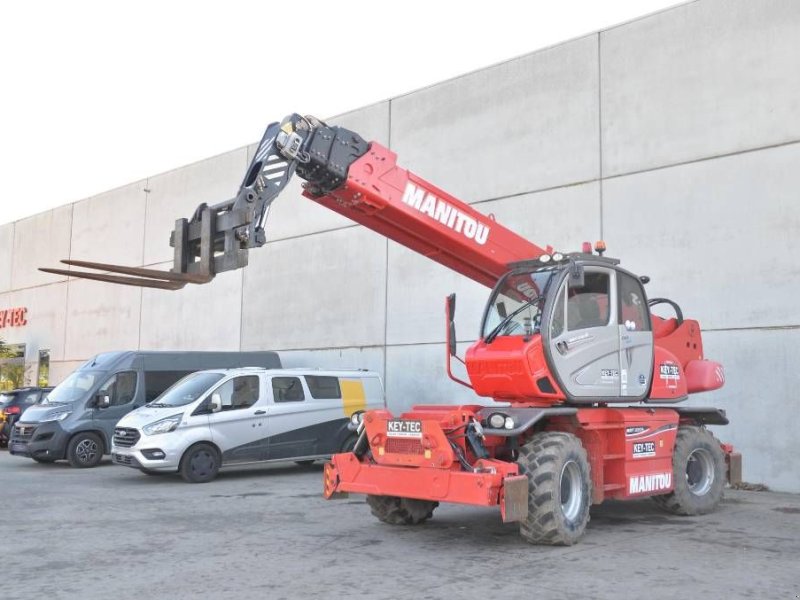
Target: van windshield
<point>187,390</point>
<point>73,387</point>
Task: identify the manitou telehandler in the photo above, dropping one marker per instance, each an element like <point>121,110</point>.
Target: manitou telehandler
<point>583,375</point>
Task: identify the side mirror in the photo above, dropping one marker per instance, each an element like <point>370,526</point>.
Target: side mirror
<point>451,325</point>
<point>103,400</point>
<point>576,276</point>
<point>215,405</point>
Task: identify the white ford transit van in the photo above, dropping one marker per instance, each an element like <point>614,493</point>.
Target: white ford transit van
<point>216,418</point>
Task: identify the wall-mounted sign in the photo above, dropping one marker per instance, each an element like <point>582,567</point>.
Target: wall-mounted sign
<point>14,317</point>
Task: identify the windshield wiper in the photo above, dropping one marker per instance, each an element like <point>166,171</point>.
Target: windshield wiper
<point>496,331</point>
<point>158,405</point>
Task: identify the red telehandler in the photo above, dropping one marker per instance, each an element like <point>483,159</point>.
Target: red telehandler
<point>584,377</point>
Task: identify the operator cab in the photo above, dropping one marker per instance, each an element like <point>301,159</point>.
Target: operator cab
<point>570,327</point>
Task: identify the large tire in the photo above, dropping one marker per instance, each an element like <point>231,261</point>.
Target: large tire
<point>401,511</point>
<point>559,489</point>
<point>200,464</point>
<point>698,473</point>
<point>85,450</point>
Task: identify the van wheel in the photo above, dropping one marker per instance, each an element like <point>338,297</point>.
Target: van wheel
<point>85,450</point>
<point>200,464</point>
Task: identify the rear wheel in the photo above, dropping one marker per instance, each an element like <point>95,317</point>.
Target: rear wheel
<point>85,450</point>
<point>698,472</point>
<point>401,511</point>
<point>559,489</point>
<point>200,464</point>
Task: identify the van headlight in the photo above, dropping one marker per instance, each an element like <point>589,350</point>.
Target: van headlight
<point>60,416</point>
<point>163,425</point>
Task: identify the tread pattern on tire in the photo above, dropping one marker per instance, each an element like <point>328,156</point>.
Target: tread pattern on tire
<point>541,460</point>
<point>681,501</point>
<point>73,460</point>
<point>401,511</point>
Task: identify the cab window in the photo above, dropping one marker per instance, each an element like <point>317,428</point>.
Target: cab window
<point>238,393</point>
<point>287,389</point>
<point>120,388</point>
<point>558,320</point>
<point>588,305</point>
<point>633,313</point>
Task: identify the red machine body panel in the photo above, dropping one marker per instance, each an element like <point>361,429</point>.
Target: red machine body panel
<point>630,452</point>
<point>407,209</point>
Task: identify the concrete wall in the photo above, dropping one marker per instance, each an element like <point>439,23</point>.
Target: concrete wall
<point>673,137</point>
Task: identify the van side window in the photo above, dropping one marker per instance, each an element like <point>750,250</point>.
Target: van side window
<point>239,392</point>
<point>156,382</point>
<point>324,387</point>
<point>121,388</point>
<point>287,389</point>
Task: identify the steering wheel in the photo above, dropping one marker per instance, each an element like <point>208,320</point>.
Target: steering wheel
<point>678,312</point>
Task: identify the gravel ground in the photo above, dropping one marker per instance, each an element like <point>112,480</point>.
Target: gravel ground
<point>266,532</point>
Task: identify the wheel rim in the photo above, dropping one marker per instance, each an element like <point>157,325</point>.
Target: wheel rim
<point>700,472</point>
<point>86,450</point>
<point>571,492</point>
<point>202,463</point>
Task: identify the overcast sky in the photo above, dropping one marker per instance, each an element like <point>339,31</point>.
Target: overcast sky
<point>97,94</point>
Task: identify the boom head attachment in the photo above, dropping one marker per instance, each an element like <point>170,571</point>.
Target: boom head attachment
<point>218,238</point>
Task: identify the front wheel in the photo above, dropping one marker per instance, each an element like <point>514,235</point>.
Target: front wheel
<point>559,489</point>
<point>401,511</point>
<point>85,450</point>
<point>698,471</point>
<point>200,464</point>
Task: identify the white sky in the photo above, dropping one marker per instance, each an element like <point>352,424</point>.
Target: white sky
<point>97,94</point>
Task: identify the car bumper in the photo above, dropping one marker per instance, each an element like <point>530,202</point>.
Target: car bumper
<point>41,440</point>
<point>140,456</point>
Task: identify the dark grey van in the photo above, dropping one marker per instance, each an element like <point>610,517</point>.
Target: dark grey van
<point>76,421</point>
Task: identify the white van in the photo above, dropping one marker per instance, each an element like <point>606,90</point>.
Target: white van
<point>223,417</point>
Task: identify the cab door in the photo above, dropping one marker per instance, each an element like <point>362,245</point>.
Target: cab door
<point>635,337</point>
<point>291,418</point>
<point>584,336</point>
<point>239,426</point>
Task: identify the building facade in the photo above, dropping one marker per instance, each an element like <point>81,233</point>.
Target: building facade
<point>675,138</point>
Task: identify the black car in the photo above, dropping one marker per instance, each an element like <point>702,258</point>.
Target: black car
<point>13,404</point>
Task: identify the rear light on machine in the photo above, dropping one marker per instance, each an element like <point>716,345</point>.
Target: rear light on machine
<point>11,410</point>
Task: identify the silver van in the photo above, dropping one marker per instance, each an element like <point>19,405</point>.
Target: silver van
<point>217,418</point>
<point>76,420</point>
